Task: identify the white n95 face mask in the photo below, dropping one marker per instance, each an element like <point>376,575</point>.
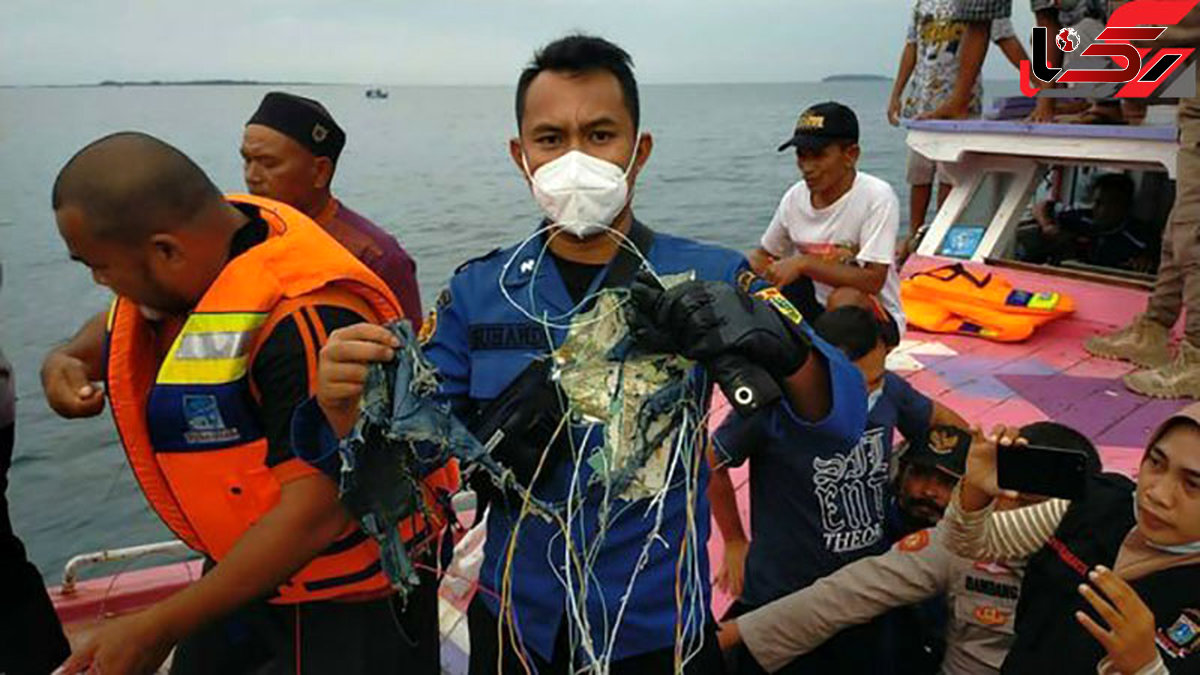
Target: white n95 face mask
<point>580,193</point>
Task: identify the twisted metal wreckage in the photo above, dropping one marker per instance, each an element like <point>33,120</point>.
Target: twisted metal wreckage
<point>649,406</point>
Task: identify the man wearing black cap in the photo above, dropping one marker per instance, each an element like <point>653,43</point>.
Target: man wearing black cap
<point>836,229</point>
<point>290,148</point>
<point>976,600</point>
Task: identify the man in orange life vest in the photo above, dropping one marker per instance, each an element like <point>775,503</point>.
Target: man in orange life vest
<point>290,149</point>
<point>222,306</point>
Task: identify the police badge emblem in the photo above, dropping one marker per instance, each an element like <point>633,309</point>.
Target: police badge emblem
<point>1183,637</point>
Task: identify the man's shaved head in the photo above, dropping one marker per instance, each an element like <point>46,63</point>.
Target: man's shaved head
<point>130,185</point>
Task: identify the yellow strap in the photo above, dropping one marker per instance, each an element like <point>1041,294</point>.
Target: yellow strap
<point>112,313</point>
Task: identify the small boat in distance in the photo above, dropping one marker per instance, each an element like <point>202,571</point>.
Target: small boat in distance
<point>377,93</point>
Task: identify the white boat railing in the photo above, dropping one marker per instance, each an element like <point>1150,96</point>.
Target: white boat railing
<point>76,564</point>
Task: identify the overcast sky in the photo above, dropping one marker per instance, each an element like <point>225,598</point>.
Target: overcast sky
<point>446,41</point>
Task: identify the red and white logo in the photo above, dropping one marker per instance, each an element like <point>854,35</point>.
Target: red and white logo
<point>1067,39</point>
<point>1140,70</point>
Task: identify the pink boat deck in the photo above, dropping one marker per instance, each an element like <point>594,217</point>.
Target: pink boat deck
<point>1048,377</point>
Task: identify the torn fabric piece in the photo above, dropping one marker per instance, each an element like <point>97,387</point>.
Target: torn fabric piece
<point>402,434</point>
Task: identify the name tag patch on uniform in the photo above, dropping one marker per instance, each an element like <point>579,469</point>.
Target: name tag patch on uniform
<point>1183,637</point>
<point>507,336</point>
<point>992,588</point>
<point>205,424</point>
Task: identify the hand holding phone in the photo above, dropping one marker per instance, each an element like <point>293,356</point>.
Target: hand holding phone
<point>1042,470</point>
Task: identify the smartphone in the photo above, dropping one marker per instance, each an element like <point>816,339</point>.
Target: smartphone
<point>1041,470</point>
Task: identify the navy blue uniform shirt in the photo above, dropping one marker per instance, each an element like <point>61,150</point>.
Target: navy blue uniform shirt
<point>479,342</point>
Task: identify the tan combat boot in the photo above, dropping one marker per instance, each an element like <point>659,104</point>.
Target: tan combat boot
<point>1143,342</point>
<point>1178,379</point>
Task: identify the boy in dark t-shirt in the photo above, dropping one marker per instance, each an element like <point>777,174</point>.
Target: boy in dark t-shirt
<point>816,507</point>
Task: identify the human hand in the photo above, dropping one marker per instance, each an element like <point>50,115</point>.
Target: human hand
<point>68,390</point>
<point>950,110</point>
<point>1129,639</point>
<point>760,260</point>
<point>893,111</point>
<point>129,645</point>
<point>342,370</point>
<point>731,576</point>
<point>785,270</point>
<point>1043,111</point>
<point>703,320</point>
<point>1043,213</point>
<point>979,484</point>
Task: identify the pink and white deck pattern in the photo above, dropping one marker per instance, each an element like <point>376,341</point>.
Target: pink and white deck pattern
<point>1048,377</point>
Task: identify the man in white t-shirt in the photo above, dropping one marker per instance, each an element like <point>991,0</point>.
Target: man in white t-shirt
<point>834,231</point>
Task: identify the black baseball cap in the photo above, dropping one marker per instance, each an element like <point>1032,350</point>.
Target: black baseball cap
<point>944,448</point>
<point>822,124</point>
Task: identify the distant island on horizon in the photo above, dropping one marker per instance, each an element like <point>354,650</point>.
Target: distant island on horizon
<point>855,77</point>
<point>195,83</point>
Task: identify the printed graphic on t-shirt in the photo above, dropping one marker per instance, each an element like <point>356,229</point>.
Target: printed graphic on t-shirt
<point>937,36</point>
<point>829,251</point>
<point>850,491</point>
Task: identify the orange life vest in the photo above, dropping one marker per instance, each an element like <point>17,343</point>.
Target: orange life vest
<point>950,299</point>
<point>190,424</point>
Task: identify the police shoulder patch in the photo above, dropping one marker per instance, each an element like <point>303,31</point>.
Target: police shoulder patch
<point>443,299</point>
<point>1182,638</point>
<point>428,327</point>
<point>490,254</point>
<point>914,542</point>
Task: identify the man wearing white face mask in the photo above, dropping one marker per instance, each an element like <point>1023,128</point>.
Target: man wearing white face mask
<point>580,150</point>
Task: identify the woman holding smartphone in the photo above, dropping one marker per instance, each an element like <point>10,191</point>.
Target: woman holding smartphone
<point>1113,579</point>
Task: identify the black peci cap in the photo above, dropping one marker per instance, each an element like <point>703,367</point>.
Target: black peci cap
<point>944,447</point>
<point>303,120</point>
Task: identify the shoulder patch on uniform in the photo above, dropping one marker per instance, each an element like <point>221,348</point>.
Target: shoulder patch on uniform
<point>1182,639</point>
<point>443,299</point>
<point>914,542</point>
<point>428,327</point>
<point>485,256</point>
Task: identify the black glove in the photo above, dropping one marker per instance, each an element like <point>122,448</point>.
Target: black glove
<point>703,320</point>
